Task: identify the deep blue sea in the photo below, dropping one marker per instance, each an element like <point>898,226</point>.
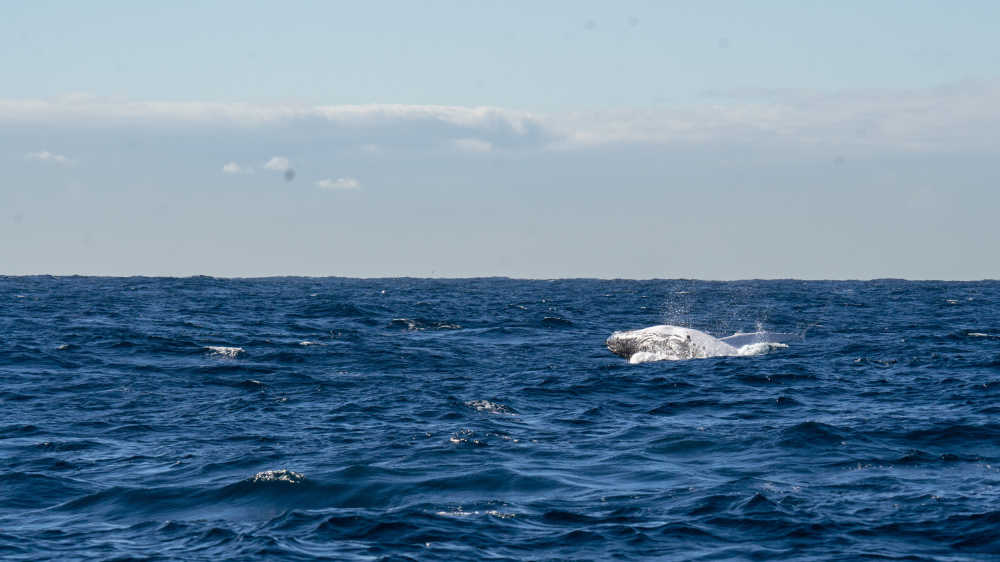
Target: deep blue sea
<point>350,419</point>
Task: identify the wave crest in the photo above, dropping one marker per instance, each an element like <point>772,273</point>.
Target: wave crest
<point>280,475</point>
<point>225,351</point>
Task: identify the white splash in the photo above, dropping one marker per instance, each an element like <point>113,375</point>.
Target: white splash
<point>459,512</point>
<point>487,406</point>
<point>224,351</point>
<point>760,348</point>
<point>281,475</point>
<point>464,437</point>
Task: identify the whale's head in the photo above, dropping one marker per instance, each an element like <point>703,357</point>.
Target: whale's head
<point>649,340</point>
<point>660,342</point>
<point>621,344</point>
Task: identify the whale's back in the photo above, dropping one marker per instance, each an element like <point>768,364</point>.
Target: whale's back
<point>666,343</point>
<point>659,343</point>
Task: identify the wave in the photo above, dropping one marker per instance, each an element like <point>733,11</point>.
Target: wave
<point>420,324</point>
<point>225,351</point>
<point>491,407</point>
<point>508,439</point>
<point>280,475</point>
<point>556,322</point>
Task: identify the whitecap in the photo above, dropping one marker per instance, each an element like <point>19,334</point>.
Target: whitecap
<point>410,324</point>
<point>459,512</point>
<point>491,407</point>
<point>500,514</point>
<point>465,438</point>
<point>224,351</point>
<point>280,475</point>
<point>421,325</point>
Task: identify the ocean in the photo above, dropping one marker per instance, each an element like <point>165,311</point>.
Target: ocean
<point>436,419</point>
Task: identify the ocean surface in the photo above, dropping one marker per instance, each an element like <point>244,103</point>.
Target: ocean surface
<point>302,418</point>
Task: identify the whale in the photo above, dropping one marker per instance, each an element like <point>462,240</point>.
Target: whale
<point>675,343</point>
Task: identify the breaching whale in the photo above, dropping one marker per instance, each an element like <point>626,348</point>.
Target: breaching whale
<point>672,343</point>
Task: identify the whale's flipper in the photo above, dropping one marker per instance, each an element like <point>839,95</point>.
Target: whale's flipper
<point>739,340</point>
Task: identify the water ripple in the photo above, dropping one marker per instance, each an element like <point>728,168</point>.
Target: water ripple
<point>436,419</point>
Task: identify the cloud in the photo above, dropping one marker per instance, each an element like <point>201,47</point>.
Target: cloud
<point>959,117</point>
<point>46,156</point>
<point>278,164</point>
<point>473,145</point>
<point>945,119</point>
<point>234,168</point>
<point>108,111</point>
<point>383,125</point>
<point>339,183</point>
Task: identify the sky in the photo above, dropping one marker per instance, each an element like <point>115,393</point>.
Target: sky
<point>710,140</point>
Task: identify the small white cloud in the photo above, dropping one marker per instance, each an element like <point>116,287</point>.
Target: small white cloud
<point>370,148</point>
<point>339,183</point>
<point>46,156</point>
<point>473,145</point>
<point>234,168</point>
<point>278,164</point>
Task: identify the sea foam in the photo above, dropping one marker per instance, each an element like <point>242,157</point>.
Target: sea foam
<point>225,351</point>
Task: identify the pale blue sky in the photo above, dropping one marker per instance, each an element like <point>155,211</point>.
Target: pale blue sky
<point>532,55</point>
<point>650,139</point>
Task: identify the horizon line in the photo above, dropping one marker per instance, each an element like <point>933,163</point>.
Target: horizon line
<point>498,277</point>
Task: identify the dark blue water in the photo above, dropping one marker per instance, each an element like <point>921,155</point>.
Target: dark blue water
<point>484,418</point>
